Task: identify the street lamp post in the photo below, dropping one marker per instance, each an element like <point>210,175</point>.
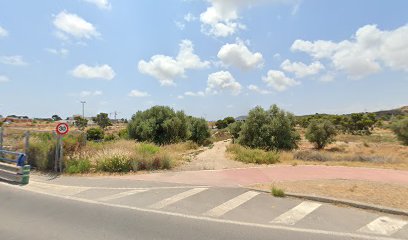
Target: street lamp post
<point>83,109</point>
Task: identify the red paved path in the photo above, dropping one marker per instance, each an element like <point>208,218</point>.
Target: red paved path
<point>250,176</point>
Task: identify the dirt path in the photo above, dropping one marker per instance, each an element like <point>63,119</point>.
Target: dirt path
<point>212,159</point>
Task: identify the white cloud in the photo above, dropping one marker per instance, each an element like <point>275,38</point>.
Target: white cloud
<point>13,60</point>
<point>4,79</point>
<point>166,68</point>
<point>240,56</point>
<point>279,81</point>
<point>328,77</point>
<point>300,69</point>
<point>98,71</point>
<point>72,24</point>
<point>180,25</point>
<point>366,53</point>
<point>189,17</point>
<point>137,93</point>
<point>60,52</point>
<point>90,93</point>
<point>195,94</point>
<point>180,97</point>
<point>102,4</point>
<point>3,32</point>
<point>221,18</point>
<point>222,80</point>
<point>255,88</point>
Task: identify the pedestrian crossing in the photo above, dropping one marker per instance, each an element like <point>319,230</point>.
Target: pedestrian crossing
<point>300,212</point>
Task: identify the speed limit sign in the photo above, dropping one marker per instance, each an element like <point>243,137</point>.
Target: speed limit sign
<point>62,129</point>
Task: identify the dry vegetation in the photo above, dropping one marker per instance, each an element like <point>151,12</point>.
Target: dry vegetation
<point>389,195</point>
<point>381,149</point>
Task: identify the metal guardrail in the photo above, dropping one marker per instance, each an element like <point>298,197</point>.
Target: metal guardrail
<point>14,170</point>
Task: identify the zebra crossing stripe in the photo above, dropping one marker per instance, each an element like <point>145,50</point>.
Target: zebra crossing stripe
<point>178,197</point>
<point>121,195</point>
<point>297,213</point>
<point>231,204</point>
<point>384,226</point>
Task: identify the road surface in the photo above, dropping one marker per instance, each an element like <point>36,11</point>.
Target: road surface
<point>121,209</point>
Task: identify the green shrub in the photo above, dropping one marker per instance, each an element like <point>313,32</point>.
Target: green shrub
<point>321,133</point>
<point>41,154</point>
<point>95,134</point>
<point>235,129</point>
<point>160,125</point>
<point>73,166</point>
<point>277,192</point>
<point>123,134</point>
<point>200,132</point>
<point>110,137</point>
<point>257,156</point>
<point>115,163</point>
<point>273,129</point>
<point>147,149</point>
<point>400,128</point>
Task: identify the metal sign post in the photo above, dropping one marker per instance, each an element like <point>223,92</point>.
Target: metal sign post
<point>61,130</point>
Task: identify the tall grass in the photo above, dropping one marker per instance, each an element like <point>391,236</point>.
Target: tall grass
<point>257,156</point>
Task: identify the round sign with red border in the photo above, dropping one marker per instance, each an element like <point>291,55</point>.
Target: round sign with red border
<point>62,129</point>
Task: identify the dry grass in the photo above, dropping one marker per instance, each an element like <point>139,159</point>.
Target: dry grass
<point>383,194</point>
<point>380,150</point>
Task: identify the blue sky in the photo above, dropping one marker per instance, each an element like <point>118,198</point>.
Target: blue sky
<point>210,58</point>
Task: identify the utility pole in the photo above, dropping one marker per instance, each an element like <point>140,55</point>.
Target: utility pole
<point>83,109</point>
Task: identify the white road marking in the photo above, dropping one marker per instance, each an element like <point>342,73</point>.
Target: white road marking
<point>62,190</point>
<point>208,219</point>
<point>297,213</point>
<point>178,197</point>
<point>384,226</point>
<point>231,204</point>
<point>121,195</point>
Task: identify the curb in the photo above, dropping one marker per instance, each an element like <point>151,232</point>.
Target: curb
<point>350,203</point>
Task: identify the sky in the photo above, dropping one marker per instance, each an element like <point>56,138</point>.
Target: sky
<point>210,58</point>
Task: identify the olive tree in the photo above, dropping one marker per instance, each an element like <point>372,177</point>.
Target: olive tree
<point>321,133</point>
<point>272,129</point>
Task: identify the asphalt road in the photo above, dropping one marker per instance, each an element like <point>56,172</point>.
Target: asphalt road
<point>143,210</point>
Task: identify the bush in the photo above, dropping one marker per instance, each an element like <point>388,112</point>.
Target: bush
<point>320,133</point>
<point>273,129</point>
<point>41,154</point>
<point>257,156</point>
<point>400,128</point>
<point>115,163</point>
<point>308,155</point>
<point>103,120</point>
<point>277,192</point>
<point>159,124</point>
<point>80,122</point>
<point>235,129</point>
<point>110,137</point>
<point>94,134</point>
<point>200,132</point>
<point>147,149</point>
<point>73,166</point>
<point>123,134</point>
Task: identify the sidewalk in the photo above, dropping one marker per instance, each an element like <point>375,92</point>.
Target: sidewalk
<point>251,176</point>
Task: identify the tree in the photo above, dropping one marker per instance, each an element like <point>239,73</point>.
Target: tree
<point>321,133</point>
<point>103,120</point>
<point>400,128</point>
<point>223,123</point>
<point>56,118</point>
<point>273,129</point>
<point>94,134</point>
<point>159,124</point>
<point>200,132</point>
<point>234,129</point>
<point>80,122</point>
<point>360,123</point>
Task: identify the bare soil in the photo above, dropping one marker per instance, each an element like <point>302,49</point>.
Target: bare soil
<point>214,158</point>
<point>383,194</point>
